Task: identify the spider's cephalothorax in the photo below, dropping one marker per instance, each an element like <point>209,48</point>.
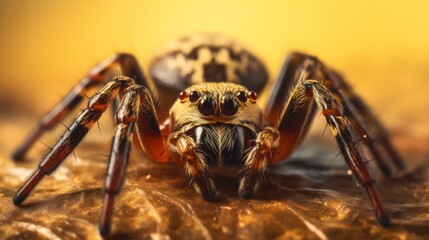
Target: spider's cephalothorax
<point>214,120</point>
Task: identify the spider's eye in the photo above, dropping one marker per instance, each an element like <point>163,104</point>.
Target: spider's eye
<point>242,96</point>
<point>228,105</point>
<point>183,96</point>
<point>253,96</point>
<point>207,106</point>
<point>194,96</point>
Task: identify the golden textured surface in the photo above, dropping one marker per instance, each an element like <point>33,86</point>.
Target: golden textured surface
<point>309,197</point>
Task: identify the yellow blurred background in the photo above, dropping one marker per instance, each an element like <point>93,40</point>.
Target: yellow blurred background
<point>382,47</point>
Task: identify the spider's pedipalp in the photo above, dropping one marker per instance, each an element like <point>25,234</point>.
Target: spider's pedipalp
<point>184,148</point>
<point>257,159</point>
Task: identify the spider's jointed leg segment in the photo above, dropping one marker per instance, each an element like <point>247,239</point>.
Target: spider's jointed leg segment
<point>115,175</point>
<point>74,134</point>
<point>332,109</point>
<point>299,67</point>
<point>102,73</point>
<point>366,124</point>
<point>127,116</point>
<point>348,143</point>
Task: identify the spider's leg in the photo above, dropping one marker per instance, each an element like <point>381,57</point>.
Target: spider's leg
<point>366,124</point>
<point>299,67</point>
<point>313,90</point>
<point>124,64</point>
<point>116,170</point>
<point>74,134</point>
<point>296,67</point>
<point>135,109</point>
<point>256,161</point>
<point>292,127</point>
<point>184,148</point>
<point>347,141</point>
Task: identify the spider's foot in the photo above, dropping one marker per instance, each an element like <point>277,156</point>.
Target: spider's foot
<point>246,193</point>
<point>387,171</point>
<point>249,184</point>
<point>17,155</point>
<point>205,186</point>
<point>18,199</point>
<point>105,223</point>
<point>26,189</point>
<point>104,230</point>
<point>382,219</point>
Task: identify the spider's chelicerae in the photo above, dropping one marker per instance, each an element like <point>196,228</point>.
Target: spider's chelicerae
<point>215,120</point>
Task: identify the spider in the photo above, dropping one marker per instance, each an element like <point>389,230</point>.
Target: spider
<point>215,120</point>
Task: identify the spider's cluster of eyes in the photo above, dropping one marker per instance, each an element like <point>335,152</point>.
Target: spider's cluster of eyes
<point>206,102</point>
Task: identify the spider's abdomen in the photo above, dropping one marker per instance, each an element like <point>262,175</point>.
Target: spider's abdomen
<point>222,144</point>
<point>207,58</point>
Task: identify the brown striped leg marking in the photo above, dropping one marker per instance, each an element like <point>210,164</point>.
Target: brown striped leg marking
<point>347,141</point>
<point>74,134</point>
<point>256,162</point>
<point>366,124</point>
<point>183,148</point>
<point>124,64</point>
<point>298,67</point>
<point>128,115</point>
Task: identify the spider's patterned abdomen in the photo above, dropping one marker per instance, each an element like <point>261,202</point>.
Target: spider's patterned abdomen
<point>207,58</point>
<point>223,144</point>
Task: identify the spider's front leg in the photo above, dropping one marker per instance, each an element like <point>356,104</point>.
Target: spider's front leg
<point>136,113</point>
<point>299,67</point>
<point>74,134</point>
<point>348,143</point>
<point>124,64</point>
<point>330,93</point>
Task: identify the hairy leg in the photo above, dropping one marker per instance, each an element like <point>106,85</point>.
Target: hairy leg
<point>343,130</point>
<point>293,128</point>
<point>123,64</point>
<point>74,134</point>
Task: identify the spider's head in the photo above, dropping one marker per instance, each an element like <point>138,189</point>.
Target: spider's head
<point>216,102</point>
